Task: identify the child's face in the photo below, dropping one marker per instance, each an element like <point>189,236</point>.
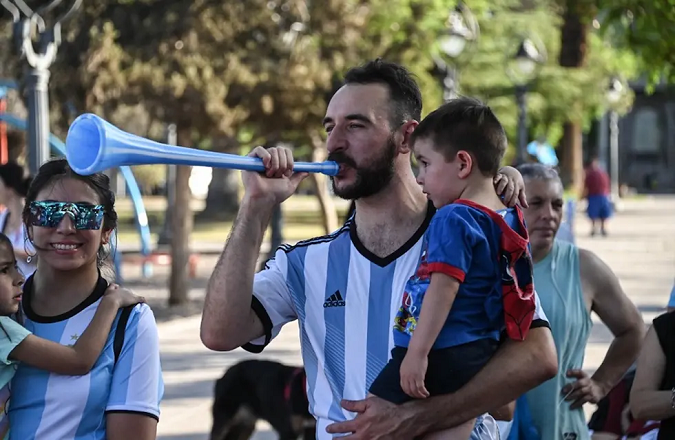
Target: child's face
<point>441,180</point>
<point>11,281</point>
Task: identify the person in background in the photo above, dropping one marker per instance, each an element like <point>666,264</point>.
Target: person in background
<point>13,188</point>
<point>652,396</point>
<point>596,192</point>
<point>542,152</point>
<point>572,283</point>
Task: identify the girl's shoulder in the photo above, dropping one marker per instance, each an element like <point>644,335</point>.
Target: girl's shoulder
<point>143,312</point>
<point>141,319</point>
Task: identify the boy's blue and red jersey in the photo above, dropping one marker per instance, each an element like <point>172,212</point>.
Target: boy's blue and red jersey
<point>488,253</point>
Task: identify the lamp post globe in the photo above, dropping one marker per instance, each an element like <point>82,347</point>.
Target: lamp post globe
<point>461,29</point>
<point>525,62</point>
<point>521,69</point>
<point>614,91</point>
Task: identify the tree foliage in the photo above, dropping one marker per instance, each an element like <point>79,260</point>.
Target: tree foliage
<point>260,71</point>
<point>407,31</point>
<point>646,27</point>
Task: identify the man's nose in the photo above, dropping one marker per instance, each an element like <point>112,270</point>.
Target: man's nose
<point>336,141</point>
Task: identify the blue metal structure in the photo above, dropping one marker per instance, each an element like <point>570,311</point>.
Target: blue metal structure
<point>5,85</point>
<point>132,188</point>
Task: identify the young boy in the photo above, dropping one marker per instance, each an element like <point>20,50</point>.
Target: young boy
<point>474,278</point>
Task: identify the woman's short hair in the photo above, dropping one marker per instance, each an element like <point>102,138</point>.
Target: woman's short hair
<point>539,171</point>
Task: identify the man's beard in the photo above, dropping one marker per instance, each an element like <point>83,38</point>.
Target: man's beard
<point>370,179</point>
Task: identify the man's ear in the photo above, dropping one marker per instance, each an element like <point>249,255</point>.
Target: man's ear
<point>406,131</point>
<point>464,164</point>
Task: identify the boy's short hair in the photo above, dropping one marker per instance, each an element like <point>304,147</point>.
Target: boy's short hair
<point>465,124</point>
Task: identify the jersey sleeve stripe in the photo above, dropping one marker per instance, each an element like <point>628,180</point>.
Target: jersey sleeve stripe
<point>140,413</point>
<point>264,317</point>
<point>448,270</point>
<point>538,323</point>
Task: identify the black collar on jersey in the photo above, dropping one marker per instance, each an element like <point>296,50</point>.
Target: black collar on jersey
<point>99,290</point>
<point>385,261</point>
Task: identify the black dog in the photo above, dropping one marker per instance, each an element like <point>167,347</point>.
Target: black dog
<point>261,389</point>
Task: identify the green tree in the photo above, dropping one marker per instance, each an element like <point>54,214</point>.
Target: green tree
<point>643,27</point>
<point>215,69</point>
<point>647,27</point>
<point>408,31</point>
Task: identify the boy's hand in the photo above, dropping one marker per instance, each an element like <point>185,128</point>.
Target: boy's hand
<point>510,186</point>
<point>413,371</point>
<point>121,296</point>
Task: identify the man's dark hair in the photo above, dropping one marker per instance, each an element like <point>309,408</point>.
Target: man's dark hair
<point>465,124</point>
<point>403,90</point>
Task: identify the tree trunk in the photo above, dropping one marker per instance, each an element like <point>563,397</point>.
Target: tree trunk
<point>328,213</point>
<point>574,36</point>
<point>181,224</point>
<point>222,199</point>
<point>573,157</point>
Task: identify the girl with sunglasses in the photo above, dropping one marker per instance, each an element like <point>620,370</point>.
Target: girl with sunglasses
<point>17,344</point>
<point>69,219</point>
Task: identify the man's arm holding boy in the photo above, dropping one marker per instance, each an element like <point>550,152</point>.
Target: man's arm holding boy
<point>517,367</point>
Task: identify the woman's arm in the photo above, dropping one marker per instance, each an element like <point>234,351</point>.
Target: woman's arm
<point>124,426</point>
<point>137,387</point>
<point>78,359</point>
<point>647,402</point>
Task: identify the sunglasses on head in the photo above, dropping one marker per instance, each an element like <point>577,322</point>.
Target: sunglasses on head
<point>50,214</point>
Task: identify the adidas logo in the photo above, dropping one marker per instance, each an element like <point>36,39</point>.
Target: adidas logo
<point>335,300</point>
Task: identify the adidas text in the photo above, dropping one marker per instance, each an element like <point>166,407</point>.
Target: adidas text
<point>335,300</point>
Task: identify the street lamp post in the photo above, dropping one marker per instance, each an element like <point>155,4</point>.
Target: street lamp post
<point>37,78</point>
<point>521,101</point>
<point>164,237</point>
<point>522,70</point>
<point>614,94</point>
<point>461,28</point>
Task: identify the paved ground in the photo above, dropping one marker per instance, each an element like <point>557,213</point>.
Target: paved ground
<point>640,249</point>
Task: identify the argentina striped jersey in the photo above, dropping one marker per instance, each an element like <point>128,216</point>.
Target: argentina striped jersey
<point>345,299</point>
<point>46,405</point>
